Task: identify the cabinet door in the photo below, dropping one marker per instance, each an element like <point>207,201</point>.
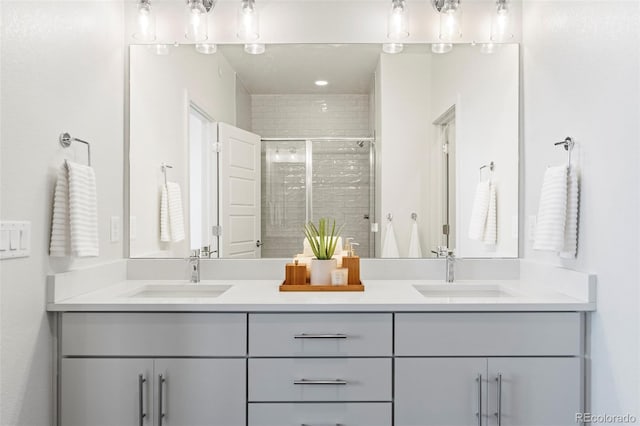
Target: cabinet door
<point>440,391</point>
<point>200,392</point>
<point>534,391</point>
<point>105,392</point>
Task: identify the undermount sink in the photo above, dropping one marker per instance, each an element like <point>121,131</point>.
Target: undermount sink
<point>180,291</point>
<point>463,290</point>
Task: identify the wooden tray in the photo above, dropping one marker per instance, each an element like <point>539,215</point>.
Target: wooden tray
<point>309,287</point>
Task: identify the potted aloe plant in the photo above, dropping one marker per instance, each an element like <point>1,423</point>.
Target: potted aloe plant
<point>323,240</point>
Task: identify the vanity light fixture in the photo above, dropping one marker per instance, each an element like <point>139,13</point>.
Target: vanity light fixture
<point>146,22</point>
<point>159,49</point>
<point>248,25</point>
<point>196,19</point>
<point>450,24</point>
<point>500,28</point>
<point>206,48</point>
<point>398,23</point>
<point>392,47</point>
<point>254,48</point>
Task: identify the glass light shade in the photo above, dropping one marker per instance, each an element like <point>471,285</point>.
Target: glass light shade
<point>146,22</point>
<point>206,48</point>
<point>254,48</point>
<point>197,28</point>
<point>392,48</point>
<point>487,48</point>
<point>450,24</point>
<point>248,21</point>
<point>159,49</point>
<point>440,48</point>
<point>398,25</point>
<point>500,25</point>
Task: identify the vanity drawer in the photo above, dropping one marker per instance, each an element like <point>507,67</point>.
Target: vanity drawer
<point>153,334</point>
<point>316,335</point>
<point>489,334</point>
<point>325,414</point>
<point>320,379</point>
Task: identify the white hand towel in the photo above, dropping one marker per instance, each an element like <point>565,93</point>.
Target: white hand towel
<point>390,246</point>
<point>74,227</point>
<point>557,222</point>
<point>480,210</point>
<point>414,242</point>
<point>571,226</point>
<point>171,218</point>
<point>490,235</point>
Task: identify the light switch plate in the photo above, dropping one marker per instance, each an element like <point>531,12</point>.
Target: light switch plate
<point>115,229</point>
<point>15,239</point>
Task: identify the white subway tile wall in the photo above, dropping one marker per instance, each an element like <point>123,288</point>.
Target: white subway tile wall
<point>341,183</point>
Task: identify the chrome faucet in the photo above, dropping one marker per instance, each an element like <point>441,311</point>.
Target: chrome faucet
<point>194,266</point>
<point>449,256</point>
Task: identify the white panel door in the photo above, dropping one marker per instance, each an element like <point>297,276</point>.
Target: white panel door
<point>534,391</point>
<point>200,392</point>
<point>239,192</point>
<point>440,391</point>
<point>106,392</point>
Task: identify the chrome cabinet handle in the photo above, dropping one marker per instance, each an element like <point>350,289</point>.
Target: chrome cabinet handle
<point>498,414</point>
<point>161,413</point>
<point>320,336</point>
<point>141,414</point>
<point>479,413</point>
<point>320,382</point>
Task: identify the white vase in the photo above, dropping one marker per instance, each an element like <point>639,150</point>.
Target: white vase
<point>321,271</point>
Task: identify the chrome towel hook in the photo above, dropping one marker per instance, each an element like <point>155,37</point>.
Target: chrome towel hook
<point>568,143</point>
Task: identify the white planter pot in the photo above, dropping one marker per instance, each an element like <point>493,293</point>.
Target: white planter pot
<point>321,271</point>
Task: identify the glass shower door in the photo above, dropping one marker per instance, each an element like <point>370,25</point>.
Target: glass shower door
<point>342,185</point>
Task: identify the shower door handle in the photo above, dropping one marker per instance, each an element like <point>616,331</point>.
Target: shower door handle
<point>259,243</point>
<point>366,216</point>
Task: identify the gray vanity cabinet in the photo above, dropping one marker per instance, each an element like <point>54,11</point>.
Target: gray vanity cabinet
<point>152,369</point>
<point>488,369</point>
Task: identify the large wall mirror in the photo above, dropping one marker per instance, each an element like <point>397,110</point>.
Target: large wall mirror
<point>235,152</point>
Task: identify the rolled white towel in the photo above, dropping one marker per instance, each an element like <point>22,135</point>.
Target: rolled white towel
<point>171,218</point>
<point>552,210</point>
<point>390,246</point>
<point>479,210</point>
<point>414,241</point>
<point>74,227</point>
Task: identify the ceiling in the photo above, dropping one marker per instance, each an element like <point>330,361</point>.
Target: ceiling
<point>293,68</point>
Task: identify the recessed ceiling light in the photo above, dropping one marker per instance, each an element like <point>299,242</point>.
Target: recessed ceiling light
<point>321,83</point>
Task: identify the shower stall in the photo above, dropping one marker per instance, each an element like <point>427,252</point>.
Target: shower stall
<point>304,179</point>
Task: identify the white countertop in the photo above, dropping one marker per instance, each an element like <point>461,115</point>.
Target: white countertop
<point>379,296</point>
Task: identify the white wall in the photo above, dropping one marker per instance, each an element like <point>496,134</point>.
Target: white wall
<point>581,79</point>
<point>243,106</point>
<point>401,144</point>
<point>484,89</point>
<point>62,70</point>
<point>158,131</point>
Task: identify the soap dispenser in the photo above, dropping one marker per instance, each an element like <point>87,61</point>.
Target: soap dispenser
<point>352,263</point>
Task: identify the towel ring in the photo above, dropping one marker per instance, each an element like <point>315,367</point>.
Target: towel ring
<point>164,167</point>
<point>568,143</point>
<point>65,140</point>
<point>389,217</point>
<point>414,216</point>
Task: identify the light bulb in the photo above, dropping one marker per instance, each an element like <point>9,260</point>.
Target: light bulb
<point>500,31</point>
<point>146,25</point>
<point>487,48</point>
<point>392,48</point>
<point>450,28</point>
<point>254,48</point>
<point>398,25</point>
<point>248,21</point>
<point>440,48</point>
<point>196,26</point>
<point>206,48</point>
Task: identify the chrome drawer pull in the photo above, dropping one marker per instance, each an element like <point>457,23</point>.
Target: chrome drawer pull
<point>498,414</point>
<point>479,413</point>
<point>317,424</point>
<point>161,413</point>
<point>320,336</point>
<point>320,382</point>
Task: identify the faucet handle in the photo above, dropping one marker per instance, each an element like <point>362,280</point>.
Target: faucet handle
<point>194,254</point>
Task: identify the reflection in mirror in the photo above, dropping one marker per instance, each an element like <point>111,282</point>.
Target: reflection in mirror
<point>261,144</point>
